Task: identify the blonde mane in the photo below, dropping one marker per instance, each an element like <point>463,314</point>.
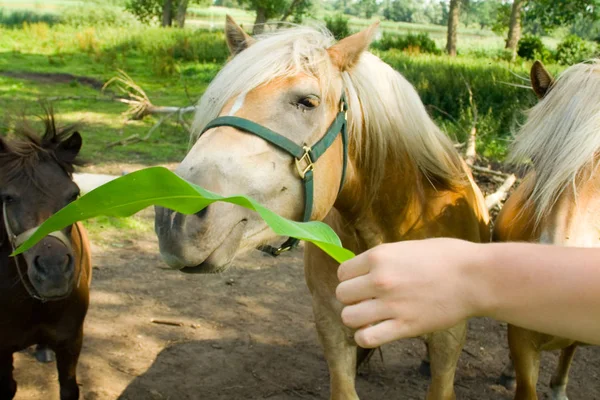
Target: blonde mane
<point>561,135</point>
<point>386,116</point>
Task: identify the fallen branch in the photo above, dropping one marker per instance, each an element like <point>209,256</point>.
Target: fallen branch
<point>164,322</point>
<point>489,171</point>
<point>497,197</point>
<point>137,138</point>
<point>471,151</point>
<point>137,99</point>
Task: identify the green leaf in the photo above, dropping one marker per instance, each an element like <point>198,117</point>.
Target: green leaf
<point>131,193</point>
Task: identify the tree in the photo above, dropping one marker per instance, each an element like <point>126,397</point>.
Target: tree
<point>453,27</point>
<point>164,10</point>
<point>550,14</point>
<point>514,28</point>
<point>400,10</point>
<point>279,9</point>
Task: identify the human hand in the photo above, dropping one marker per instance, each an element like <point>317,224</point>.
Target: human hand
<point>407,289</point>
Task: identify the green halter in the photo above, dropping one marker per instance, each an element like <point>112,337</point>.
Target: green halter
<point>304,156</point>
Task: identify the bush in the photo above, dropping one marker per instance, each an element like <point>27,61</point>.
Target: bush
<point>441,83</point>
<point>97,16</point>
<point>532,48</point>
<point>419,43</point>
<point>573,50</point>
<point>16,19</point>
<point>338,26</point>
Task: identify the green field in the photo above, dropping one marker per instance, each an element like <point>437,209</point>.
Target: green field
<point>174,67</point>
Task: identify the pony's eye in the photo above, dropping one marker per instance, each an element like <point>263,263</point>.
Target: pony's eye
<point>309,102</point>
<point>6,199</point>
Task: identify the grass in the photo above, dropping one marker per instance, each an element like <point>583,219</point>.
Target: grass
<point>175,66</point>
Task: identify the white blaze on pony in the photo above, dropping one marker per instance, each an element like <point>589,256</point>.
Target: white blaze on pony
<point>404,179</point>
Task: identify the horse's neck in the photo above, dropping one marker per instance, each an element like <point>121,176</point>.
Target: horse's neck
<point>575,218</point>
<point>407,206</point>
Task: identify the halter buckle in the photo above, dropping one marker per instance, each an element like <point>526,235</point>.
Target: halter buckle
<point>306,160</point>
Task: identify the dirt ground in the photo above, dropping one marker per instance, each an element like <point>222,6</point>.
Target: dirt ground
<point>246,334</point>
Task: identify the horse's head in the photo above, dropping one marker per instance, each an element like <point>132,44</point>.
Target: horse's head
<point>290,82</point>
<point>35,182</point>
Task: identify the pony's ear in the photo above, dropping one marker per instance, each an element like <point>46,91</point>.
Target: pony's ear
<point>3,147</point>
<point>68,149</point>
<point>541,79</point>
<point>237,39</point>
<point>346,53</point>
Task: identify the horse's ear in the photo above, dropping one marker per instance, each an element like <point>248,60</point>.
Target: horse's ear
<point>346,53</point>
<point>541,79</point>
<point>68,149</point>
<point>237,39</point>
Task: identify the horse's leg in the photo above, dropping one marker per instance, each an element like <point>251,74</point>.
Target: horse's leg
<point>559,381</point>
<point>507,378</point>
<point>67,355</point>
<point>525,355</point>
<point>337,341</point>
<point>425,367</point>
<point>340,351</point>
<point>44,354</point>
<point>444,348</point>
<point>8,386</point>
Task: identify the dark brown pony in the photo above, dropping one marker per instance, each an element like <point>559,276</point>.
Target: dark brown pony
<point>44,293</point>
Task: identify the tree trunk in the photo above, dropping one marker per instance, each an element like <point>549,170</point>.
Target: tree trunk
<point>514,29</point>
<point>260,21</point>
<point>181,10</point>
<point>167,13</point>
<point>452,27</point>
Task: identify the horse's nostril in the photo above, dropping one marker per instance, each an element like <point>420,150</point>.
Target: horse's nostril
<point>202,213</point>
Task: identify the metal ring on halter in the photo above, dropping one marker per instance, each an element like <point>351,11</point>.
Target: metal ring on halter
<point>17,240</point>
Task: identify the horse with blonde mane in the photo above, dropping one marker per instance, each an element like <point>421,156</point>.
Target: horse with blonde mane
<point>558,201</point>
<point>394,176</point>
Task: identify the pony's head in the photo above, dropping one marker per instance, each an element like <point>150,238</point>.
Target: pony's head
<point>35,182</point>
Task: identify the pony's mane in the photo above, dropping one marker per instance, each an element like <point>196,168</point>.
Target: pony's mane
<point>386,116</point>
<point>27,150</point>
<point>561,135</point>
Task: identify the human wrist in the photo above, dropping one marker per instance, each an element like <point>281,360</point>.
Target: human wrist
<point>478,272</point>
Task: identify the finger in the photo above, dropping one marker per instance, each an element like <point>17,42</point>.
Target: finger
<point>355,290</point>
<point>366,313</point>
<point>387,331</point>
<point>356,266</point>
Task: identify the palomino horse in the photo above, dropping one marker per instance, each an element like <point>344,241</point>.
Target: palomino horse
<point>558,201</point>
<point>390,175</point>
<point>44,293</point>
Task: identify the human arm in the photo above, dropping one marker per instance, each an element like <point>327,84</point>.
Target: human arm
<point>410,288</point>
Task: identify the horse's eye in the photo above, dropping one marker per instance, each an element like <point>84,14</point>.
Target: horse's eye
<point>309,102</point>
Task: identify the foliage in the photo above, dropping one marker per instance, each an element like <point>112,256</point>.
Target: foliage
<point>367,7</point>
<point>131,193</point>
<point>481,12</point>
<point>573,50</point>
<point>16,18</point>
<point>84,16</point>
<point>442,85</point>
<point>412,43</point>
<point>531,47</point>
<point>338,26</point>
<point>546,15</point>
<point>147,11</point>
<point>502,19</point>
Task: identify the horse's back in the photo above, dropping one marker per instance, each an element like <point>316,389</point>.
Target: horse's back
<point>515,220</point>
